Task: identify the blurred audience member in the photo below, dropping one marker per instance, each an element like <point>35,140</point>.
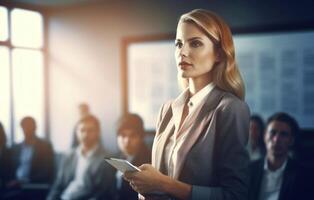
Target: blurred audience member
<point>273,177</point>
<point>3,156</point>
<point>3,139</point>
<point>32,160</point>
<point>29,162</point>
<point>84,174</point>
<point>130,138</point>
<point>84,111</point>
<point>256,146</point>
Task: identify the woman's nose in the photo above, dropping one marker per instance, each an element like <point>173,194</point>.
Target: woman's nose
<point>183,51</point>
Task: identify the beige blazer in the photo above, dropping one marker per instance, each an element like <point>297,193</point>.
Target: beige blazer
<point>214,160</point>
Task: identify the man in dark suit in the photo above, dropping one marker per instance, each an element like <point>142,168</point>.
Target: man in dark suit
<point>273,177</point>
<point>30,162</point>
<point>84,174</point>
<point>130,138</point>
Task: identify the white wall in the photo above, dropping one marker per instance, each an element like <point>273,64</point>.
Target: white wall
<point>84,63</point>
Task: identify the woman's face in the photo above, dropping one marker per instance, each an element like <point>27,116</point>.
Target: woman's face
<point>195,53</point>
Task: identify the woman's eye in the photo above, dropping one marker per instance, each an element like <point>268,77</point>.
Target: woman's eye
<point>178,44</point>
<point>196,43</point>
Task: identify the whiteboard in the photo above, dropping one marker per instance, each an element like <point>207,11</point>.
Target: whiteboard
<point>277,68</point>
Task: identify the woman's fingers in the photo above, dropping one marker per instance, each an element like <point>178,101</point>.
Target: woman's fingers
<point>145,167</point>
<point>143,181</point>
<point>133,180</point>
<point>128,179</point>
<point>129,176</point>
<point>138,186</point>
<point>133,186</point>
<point>137,189</point>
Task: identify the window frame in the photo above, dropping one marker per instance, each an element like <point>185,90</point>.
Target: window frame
<point>44,49</point>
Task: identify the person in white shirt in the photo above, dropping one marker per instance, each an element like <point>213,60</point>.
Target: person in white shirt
<point>84,174</point>
<point>272,177</point>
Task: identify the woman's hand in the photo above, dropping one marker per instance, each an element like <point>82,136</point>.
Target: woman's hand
<point>148,180</point>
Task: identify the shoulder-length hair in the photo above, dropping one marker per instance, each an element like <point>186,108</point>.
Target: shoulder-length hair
<point>226,74</point>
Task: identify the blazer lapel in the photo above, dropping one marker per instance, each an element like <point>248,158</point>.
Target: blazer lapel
<point>160,144</point>
<point>165,130</point>
<point>289,177</point>
<point>256,179</point>
<point>202,121</point>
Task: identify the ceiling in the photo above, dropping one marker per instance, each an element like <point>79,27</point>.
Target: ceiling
<point>52,3</point>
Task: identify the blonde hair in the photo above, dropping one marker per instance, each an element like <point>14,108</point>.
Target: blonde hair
<point>226,74</point>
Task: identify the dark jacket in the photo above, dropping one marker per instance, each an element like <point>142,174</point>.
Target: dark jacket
<point>287,190</point>
<point>99,178</point>
<point>42,164</point>
<point>4,166</point>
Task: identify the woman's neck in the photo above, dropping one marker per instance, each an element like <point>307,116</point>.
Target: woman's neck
<point>198,83</point>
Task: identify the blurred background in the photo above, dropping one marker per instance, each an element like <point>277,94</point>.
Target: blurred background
<point>56,55</point>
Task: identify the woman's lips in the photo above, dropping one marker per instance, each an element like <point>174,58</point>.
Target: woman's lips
<point>184,65</point>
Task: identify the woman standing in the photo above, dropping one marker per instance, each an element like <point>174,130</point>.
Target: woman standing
<point>199,150</point>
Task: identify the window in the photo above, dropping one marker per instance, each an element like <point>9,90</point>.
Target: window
<point>26,28</point>
<point>27,88</point>
<point>277,68</point>
<point>3,23</point>
<point>21,70</point>
<point>5,89</point>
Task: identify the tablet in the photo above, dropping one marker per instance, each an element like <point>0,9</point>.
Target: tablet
<point>122,165</point>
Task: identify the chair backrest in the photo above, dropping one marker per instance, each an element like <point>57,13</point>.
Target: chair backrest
<point>304,152</point>
<point>304,148</point>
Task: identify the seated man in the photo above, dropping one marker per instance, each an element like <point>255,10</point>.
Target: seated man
<point>32,159</point>
<point>130,137</point>
<point>273,177</point>
<point>84,174</point>
<point>29,162</point>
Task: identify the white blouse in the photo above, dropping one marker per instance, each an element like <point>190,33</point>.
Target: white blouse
<point>174,143</point>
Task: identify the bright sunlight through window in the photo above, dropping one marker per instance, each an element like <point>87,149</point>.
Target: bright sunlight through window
<point>21,71</point>
<point>28,88</point>
<point>5,89</point>
<point>3,23</point>
<point>26,28</point>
